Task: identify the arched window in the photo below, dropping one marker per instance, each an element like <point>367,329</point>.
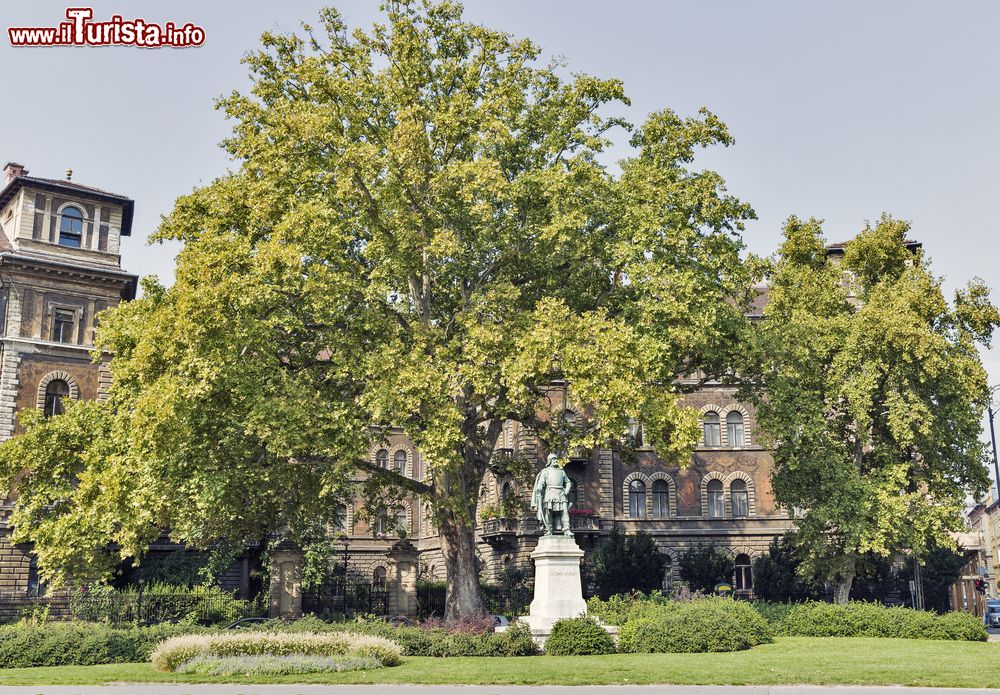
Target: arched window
<point>743,579</point>
<point>637,499</point>
<point>399,462</point>
<point>716,503</point>
<point>382,458</point>
<point>668,574</point>
<point>713,433</point>
<point>55,392</point>
<point>380,521</point>
<point>400,522</point>
<point>71,227</point>
<point>734,428</point>
<point>506,491</point>
<point>378,577</point>
<point>661,499</point>
<point>738,498</point>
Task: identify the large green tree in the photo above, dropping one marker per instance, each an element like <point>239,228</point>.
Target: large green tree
<point>420,231</point>
<point>871,391</point>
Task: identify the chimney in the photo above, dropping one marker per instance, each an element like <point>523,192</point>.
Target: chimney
<point>11,171</point>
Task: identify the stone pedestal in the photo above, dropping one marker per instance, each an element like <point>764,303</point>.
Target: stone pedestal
<point>558,591</point>
<point>286,582</point>
<point>403,584</point>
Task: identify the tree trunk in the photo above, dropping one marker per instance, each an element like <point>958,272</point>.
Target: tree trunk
<point>458,543</point>
<point>843,580</point>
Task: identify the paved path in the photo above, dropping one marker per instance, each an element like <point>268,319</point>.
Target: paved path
<point>185,689</point>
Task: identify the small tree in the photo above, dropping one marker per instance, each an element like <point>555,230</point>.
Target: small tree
<point>776,576</point>
<point>938,571</point>
<point>703,566</point>
<point>627,563</point>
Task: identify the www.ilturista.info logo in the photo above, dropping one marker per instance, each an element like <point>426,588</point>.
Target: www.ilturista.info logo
<point>81,31</point>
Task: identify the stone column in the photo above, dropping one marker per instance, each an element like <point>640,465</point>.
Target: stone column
<point>286,581</point>
<point>403,580</point>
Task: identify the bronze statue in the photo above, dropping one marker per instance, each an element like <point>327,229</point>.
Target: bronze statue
<point>551,496</point>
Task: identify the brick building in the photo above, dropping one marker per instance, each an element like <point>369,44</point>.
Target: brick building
<point>60,265</point>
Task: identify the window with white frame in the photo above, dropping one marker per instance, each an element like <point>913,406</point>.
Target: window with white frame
<point>661,499</point>
<point>716,499</point>
<point>712,429</point>
<point>71,227</point>
<point>637,499</point>
<point>63,323</point>
<point>739,498</point>
<point>734,428</point>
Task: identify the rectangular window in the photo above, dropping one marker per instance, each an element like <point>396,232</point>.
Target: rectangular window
<point>62,326</point>
<point>716,504</point>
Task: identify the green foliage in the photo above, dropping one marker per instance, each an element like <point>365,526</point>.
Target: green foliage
<point>172,653</point>
<point>24,645</point>
<point>417,641</point>
<point>703,625</point>
<point>274,665</point>
<point>203,605</point>
<point>621,564</point>
<point>703,566</point>
<point>578,637</point>
<point>938,571</point>
<point>859,619</point>
<point>871,393</point>
<point>617,609</point>
<point>776,577</point>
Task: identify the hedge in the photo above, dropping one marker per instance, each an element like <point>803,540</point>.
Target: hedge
<point>701,625</point>
<point>80,644</point>
<point>415,641</point>
<point>860,619</point>
<point>578,637</point>
<point>172,653</point>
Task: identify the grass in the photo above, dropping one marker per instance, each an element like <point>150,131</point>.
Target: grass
<point>804,660</point>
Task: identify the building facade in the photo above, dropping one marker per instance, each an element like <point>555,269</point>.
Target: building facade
<point>60,265</point>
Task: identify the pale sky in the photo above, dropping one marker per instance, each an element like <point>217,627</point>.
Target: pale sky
<point>840,110</point>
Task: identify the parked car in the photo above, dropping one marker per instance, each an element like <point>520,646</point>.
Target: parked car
<point>246,622</point>
<point>992,615</point>
<point>397,620</point>
<point>501,621</point>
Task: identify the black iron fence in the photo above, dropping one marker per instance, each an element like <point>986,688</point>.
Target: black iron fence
<point>337,600</point>
<point>511,602</point>
<point>135,608</point>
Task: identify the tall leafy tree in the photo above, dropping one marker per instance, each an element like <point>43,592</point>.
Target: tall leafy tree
<point>420,231</point>
<point>871,391</point>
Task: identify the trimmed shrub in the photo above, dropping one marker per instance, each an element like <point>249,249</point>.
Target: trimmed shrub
<point>204,665</point>
<point>169,655</point>
<point>578,636</point>
<point>514,641</point>
<point>773,613</point>
<point>703,625</point>
<point>858,619</point>
<point>81,644</point>
<point>622,607</point>
<point>420,641</point>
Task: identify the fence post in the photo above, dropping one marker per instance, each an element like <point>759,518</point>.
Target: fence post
<point>286,581</point>
<point>402,583</point>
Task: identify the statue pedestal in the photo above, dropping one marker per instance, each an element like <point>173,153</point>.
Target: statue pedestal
<point>558,591</point>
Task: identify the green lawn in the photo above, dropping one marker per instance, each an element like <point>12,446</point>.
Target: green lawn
<point>812,660</point>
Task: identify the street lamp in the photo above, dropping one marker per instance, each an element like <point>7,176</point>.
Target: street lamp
<point>993,437</point>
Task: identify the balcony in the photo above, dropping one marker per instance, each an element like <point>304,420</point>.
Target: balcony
<point>498,529</point>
